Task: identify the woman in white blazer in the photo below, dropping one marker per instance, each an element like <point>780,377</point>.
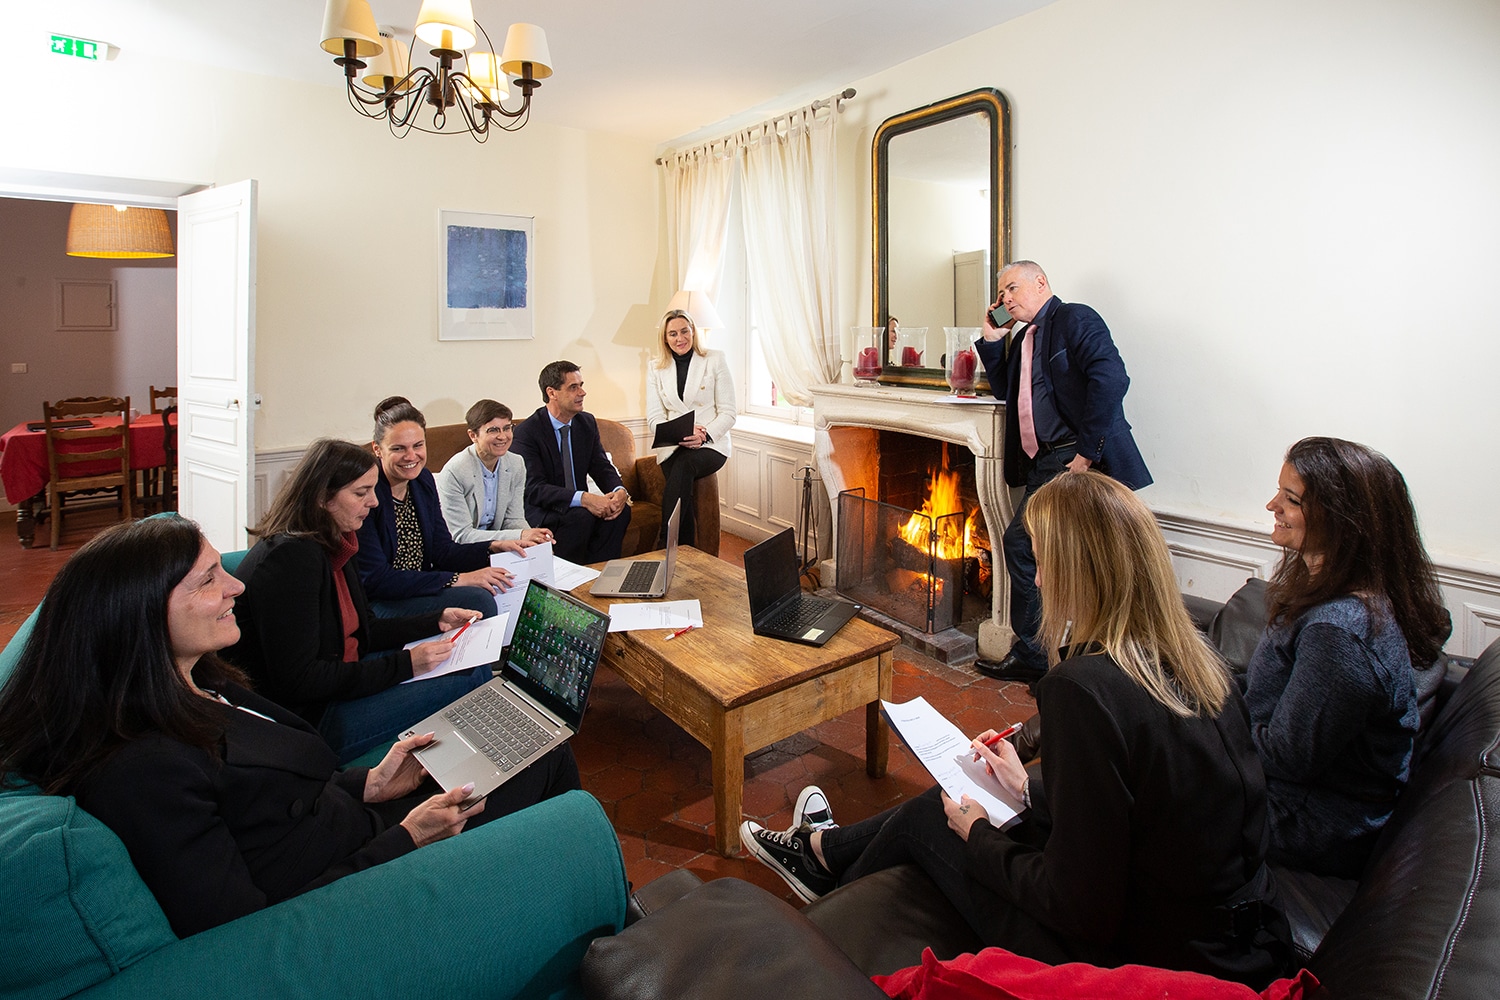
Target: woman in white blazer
<point>687,377</point>
<point>473,512</point>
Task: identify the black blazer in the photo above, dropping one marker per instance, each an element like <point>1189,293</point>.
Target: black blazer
<point>536,443</point>
<point>292,637</point>
<point>442,556</point>
<point>1083,371</point>
<point>215,839</point>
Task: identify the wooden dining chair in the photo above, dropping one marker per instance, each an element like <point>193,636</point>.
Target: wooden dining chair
<point>167,393</point>
<point>71,452</point>
<point>159,484</point>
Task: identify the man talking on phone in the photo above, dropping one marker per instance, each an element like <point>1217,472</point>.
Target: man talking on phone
<point>1064,386</point>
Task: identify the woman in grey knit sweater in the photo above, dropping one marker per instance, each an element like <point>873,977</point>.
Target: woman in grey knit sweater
<point>1356,624</point>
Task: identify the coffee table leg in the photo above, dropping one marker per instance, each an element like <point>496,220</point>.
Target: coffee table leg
<point>877,736</point>
<point>728,751</point>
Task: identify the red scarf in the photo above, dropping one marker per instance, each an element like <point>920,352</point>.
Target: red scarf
<point>348,546</point>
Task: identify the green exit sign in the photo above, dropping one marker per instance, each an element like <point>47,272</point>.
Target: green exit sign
<point>81,48</point>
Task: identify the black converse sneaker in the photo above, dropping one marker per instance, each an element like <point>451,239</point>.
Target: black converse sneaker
<point>812,811</point>
<point>789,854</point>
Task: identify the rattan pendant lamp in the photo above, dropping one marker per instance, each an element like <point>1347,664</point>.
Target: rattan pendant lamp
<point>117,231</point>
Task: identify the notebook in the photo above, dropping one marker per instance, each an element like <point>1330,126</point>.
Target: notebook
<point>778,607</point>
<point>534,703</point>
<point>641,577</point>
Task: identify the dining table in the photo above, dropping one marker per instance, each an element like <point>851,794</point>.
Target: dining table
<point>24,472</point>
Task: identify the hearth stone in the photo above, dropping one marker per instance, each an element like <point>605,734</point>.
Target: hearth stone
<point>952,646</point>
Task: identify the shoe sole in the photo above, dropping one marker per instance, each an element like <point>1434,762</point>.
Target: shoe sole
<point>747,839</point>
<point>799,809</point>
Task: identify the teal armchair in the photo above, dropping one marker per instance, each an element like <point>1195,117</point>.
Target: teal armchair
<point>504,910</point>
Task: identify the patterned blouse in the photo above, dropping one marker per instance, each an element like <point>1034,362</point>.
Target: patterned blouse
<point>410,555</point>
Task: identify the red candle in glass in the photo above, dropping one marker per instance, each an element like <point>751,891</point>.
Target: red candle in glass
<point>868,363</point>
<point>964,366</point>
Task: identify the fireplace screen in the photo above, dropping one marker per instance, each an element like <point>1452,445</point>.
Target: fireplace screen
<point>904,563</point>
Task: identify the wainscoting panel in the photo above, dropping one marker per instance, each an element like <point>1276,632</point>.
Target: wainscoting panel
<point>760,491</point>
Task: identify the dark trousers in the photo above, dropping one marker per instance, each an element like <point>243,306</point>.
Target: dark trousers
<point>1020,560</point>
<point>683,469</point>
<point>917,832</point>
<point>556,772</point>
<point>582,537</point>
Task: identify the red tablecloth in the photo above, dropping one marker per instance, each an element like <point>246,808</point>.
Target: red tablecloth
<point>23,454</point>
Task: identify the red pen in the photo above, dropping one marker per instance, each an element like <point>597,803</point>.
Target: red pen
<point>682,631</point>
<point>461,628</point>
<point>1002,734</point>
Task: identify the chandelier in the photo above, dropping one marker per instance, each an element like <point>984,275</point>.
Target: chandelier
<point>382,85</point>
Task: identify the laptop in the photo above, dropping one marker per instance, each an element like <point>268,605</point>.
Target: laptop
<point>641,577</point>
<point>778,607</point>
<point>534,703</point>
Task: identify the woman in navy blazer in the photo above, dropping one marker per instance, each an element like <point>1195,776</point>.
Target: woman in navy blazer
<point>408,562</point>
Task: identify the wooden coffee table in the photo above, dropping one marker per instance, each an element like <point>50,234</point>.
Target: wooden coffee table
<point>735,692</point>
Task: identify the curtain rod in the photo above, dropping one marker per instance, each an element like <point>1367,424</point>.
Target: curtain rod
<point>828,102</point>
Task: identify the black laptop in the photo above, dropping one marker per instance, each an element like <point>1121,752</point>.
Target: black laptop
<point>778,607</point>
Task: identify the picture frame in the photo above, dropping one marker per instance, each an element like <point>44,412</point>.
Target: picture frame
<point>485,268</point>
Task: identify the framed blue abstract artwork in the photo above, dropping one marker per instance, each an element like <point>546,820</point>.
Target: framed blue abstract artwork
<point>485,263</point>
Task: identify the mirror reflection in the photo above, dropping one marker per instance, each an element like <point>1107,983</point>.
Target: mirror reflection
<point>938,188</point>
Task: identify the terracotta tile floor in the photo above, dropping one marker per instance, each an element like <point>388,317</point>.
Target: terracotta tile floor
<point>653,779</point>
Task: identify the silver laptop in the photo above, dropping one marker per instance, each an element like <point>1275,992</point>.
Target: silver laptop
<point>641,577</point>
<point>534,704</point>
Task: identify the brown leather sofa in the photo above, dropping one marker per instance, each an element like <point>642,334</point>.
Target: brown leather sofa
<point>642,477</point>
<point>1423,921</point>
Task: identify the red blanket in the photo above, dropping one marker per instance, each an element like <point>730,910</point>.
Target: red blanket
<point>996,974</point>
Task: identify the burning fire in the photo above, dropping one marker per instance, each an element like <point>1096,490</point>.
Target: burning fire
<point>942,499</point>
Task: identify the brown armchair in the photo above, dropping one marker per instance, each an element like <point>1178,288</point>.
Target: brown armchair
<point>642,477</point>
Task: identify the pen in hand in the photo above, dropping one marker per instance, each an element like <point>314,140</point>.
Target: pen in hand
<point>461,628</point>
<point>1010,730</point>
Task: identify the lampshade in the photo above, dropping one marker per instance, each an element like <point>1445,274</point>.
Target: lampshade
<point>700,307</point>
<point>482,70</point>
<point>394,62</point>
<point>526,43</point>
<point>447,24</point>
<point>107,231</point>
<point>350,19</point>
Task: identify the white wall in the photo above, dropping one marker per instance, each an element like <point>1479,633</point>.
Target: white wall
<point>1286,211</point>
<point>126,361</point>
<point>348,220</point>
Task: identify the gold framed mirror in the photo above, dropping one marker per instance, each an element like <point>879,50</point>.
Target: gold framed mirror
<point>941,226</point>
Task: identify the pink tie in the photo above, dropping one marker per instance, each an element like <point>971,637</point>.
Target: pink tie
<point>1023,396</point>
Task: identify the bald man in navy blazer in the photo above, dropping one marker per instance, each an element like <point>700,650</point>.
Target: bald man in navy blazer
<point>588,527</point>
<point>1077,420</point>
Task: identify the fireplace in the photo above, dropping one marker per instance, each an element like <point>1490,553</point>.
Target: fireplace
<point>860,434</point>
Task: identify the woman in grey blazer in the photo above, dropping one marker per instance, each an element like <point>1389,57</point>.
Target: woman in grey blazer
<point>482,488</point>
<point>688,377</point>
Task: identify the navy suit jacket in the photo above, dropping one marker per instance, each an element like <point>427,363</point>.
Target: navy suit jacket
<point>1083,372</point>
<point>442,556</point>
<point>536,443</point>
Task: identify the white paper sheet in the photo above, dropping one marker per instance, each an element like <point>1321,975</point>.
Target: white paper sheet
<point>632,616</point>
<point>967,400</point>
<point>535,564</point>
<point>570,575</point>
<point>948,756</point>
<point>481,643</point>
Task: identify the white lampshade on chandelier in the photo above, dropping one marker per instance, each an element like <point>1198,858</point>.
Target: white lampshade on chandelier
<point>382,84</point>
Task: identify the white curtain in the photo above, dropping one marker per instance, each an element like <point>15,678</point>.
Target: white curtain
<point>698,185</point>
<point>787,176</point>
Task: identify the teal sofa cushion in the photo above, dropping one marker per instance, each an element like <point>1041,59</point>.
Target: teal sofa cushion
<point>73,912</point>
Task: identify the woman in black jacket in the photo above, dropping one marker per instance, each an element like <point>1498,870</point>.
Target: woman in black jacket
<point>226,802</point>
<point>1145,840</point>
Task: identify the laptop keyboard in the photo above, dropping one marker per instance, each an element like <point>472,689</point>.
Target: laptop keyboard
<point>501,731</point>
<point>642,572</point>
<point>800,616</point>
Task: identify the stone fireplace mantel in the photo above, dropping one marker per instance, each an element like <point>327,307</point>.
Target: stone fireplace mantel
<point>846,419</point>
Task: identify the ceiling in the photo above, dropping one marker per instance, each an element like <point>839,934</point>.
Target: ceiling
<point>657,70</point>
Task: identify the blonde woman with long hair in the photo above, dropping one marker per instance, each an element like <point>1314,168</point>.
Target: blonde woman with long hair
<point>1144,841</point>
<point>687,376</point>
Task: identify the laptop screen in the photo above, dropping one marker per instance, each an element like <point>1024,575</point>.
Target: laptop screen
<point>771,572</point>
<point>555,650</point>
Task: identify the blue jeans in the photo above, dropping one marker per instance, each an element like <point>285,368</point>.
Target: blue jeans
<point>473,598</point>
<point>353,727</point>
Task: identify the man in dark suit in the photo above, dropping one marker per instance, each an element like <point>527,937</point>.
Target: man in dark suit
<point>560,445</point>
<point>1065,415</point>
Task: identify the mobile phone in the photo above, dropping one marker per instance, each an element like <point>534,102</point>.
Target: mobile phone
<point>999,316</point>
